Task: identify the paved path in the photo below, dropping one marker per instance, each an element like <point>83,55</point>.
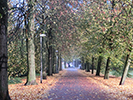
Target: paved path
<point>75,86</point>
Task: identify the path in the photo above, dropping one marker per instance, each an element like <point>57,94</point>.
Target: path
<point>76,86</point>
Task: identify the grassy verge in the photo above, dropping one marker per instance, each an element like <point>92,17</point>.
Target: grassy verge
<point>16,80</point>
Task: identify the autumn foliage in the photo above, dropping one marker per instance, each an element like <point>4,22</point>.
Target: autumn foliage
<point>33,92</point>
<point>109,88</point>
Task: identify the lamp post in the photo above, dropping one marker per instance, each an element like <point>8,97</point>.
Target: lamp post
<point>41,35</point>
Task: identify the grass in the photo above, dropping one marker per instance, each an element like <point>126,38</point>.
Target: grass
<point>115,73</point>
<point>16,80</point>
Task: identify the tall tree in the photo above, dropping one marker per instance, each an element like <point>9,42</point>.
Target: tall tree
<point>31,77</point>
<point>87,66</point>
<point>83,63</point>
<point>60,62</point>
<point>99,65</point>
<point>125,70</point>
<point>57,64</point>
<point>4,95</point>
<point>53,61</point>
<point>106,75</point>
<point>92,64</point>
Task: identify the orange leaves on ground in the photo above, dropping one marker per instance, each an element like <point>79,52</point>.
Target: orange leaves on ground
<point>33,92</point>
<point>111,86</point>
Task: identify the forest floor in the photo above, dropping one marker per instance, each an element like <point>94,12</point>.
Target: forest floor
<point>74,84</point>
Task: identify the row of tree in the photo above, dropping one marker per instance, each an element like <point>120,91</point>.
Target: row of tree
<point>27,20</point>
<point>75,28</point>
<point>107,34</point>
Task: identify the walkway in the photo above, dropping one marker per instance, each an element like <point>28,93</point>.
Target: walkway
<point>76,86</point>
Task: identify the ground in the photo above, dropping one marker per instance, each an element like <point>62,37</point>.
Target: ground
<point>74,84</point>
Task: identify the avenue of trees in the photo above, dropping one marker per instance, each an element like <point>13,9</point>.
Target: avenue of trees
<point>107,31</point>
<point>99,32</point>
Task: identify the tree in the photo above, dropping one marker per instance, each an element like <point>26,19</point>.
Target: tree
<point>110,23</point>
<point>92,64</point>
<point>49,47</point>
<point>127,38</point>
<point>125,70</point>
<point>4,95</point>
<point>60,61</point>
<point>31,77</point>
<point>87,66</point>
<point>99,65</point>
<point>83,63</point>
<point>106,75</point>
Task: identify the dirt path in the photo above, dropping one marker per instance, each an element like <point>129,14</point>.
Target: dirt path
<point>76,86</point>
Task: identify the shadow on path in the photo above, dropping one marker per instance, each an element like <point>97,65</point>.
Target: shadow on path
<point>75,86</point>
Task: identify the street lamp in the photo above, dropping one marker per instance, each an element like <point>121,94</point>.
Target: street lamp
<point>41,35</point>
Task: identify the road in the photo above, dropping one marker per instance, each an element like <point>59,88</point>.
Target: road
<point>74,85</point>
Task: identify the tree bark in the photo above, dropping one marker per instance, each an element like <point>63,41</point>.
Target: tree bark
<point>87,66</point>
<point>31,78</point>
<point>65,64</point>
<point>50,61</point>
<point>53,63</point>
<point>4,95</point>
<point>106,75</point>
<point>58,60</point>
<point>76,63</point>
<point>57,64</point>
<point>82,64</point>
<point>92,65</point>
<point>99,65</point>
<point>125,70</point>
<point>43,59</point>
<point>50,52</point>
<point>60,63</point>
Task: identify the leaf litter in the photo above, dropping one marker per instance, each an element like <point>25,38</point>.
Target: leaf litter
<point>33,92</point>
<point>109,86</point>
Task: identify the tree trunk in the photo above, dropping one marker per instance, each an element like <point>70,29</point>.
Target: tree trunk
<point>31,78</point>
<point>99,66</point>
<point>76,62</point>
<point>125,70</point>
<point>57,64</point>
<point>87,66</point>
<point>50,38</point>
<point>53,61</point>
<point>44,74</point>
<point>60,63</point>
<point>82,64</point>
<point>4,95</point>
<point>65,64</point>
<point>50,61</point>
<point>92,65</point>
<point>106,75</point>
